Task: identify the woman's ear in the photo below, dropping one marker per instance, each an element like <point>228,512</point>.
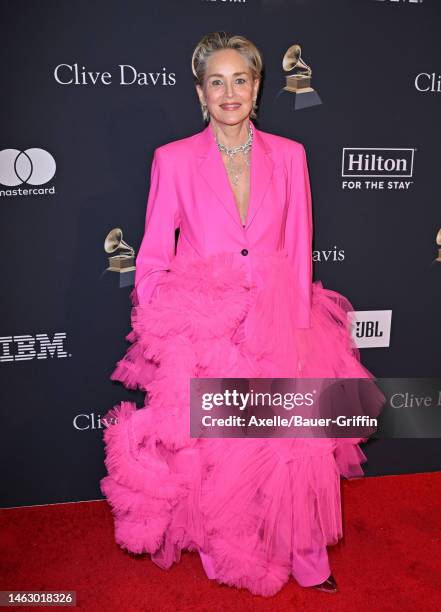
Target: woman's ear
<point>200,93</point>
<point>256,88</point>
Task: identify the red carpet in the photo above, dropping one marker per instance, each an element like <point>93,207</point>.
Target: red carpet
<point>390,558</point>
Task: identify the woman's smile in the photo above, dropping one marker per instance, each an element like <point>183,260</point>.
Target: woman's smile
<point>230,106</point>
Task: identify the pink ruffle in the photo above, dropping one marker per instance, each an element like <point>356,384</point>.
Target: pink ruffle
<point>246,502</point>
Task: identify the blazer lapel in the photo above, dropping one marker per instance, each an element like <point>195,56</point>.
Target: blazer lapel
<point>213,171</point>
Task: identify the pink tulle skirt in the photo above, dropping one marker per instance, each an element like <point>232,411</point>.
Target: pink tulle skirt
<point>247,503</point>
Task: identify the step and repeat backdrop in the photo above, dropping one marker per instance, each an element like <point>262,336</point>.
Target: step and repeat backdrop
<point>89,90</point>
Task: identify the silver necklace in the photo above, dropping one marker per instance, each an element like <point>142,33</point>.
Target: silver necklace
<point>233,169</point>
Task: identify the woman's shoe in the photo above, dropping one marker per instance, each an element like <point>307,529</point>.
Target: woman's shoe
<point>328,586</point>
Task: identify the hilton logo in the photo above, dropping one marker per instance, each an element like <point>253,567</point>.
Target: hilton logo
<point>371,328</point>
<point>390,165</point>
<point>26,347</point>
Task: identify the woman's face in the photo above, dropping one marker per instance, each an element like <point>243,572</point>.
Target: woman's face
<point>229,88</point>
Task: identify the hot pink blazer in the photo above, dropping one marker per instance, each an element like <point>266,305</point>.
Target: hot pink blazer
<point>190,189</point>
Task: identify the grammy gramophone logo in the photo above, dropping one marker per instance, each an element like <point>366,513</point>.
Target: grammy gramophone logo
<point>123,262</point>
<point>299,81</point>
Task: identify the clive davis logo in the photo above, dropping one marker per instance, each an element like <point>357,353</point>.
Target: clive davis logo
<point>27,347</point>
<point>370,328</point>
<point>34,167</point>
<point>377,169</point>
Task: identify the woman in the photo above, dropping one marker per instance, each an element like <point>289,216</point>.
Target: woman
<point>235,299</point>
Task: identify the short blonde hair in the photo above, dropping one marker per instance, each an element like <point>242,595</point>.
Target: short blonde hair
<point>216,41</point>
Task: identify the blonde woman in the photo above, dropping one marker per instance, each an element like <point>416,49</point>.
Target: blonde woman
<point>235,298</point>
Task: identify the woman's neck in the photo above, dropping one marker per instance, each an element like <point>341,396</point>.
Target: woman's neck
<point>230,135</point>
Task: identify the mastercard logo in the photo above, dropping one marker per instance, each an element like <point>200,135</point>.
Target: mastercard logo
<point>32,166</point>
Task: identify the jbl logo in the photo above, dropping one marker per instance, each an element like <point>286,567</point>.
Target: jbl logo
<point>368,329</point>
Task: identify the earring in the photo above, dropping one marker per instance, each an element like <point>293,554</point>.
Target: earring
<point>253,114</point>
<point>204,112</point>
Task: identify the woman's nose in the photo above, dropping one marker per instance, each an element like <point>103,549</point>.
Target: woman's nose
<point>229,89</point>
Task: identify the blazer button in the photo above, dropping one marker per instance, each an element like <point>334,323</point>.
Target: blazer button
<point>244,252</point>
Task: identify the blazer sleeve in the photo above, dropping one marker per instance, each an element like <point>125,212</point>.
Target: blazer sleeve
<point>299,233</point>
<point>162,219</point>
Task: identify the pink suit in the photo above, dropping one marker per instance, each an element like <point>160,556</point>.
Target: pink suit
<point>233,301</point>
<point>190,190</point>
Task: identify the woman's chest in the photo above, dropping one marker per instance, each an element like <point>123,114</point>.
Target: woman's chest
<point>248,189</point>
<point>239,181</point>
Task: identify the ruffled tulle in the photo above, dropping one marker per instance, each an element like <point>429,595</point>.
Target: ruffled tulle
<point>247,503</point>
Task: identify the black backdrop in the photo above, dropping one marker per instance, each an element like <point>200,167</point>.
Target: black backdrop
<point>372,64</point>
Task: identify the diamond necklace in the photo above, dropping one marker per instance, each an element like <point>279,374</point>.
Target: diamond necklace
<point>232,169</point>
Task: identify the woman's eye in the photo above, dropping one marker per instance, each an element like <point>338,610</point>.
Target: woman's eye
<point>217,82</point>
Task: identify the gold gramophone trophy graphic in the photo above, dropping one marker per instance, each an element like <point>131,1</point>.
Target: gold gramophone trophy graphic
<point>124,262</point>
<point>298,83</point>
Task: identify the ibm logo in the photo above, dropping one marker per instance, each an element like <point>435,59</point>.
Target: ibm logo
<point>26,347</point>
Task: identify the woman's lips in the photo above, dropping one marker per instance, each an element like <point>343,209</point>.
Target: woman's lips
<point>230,106</point>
